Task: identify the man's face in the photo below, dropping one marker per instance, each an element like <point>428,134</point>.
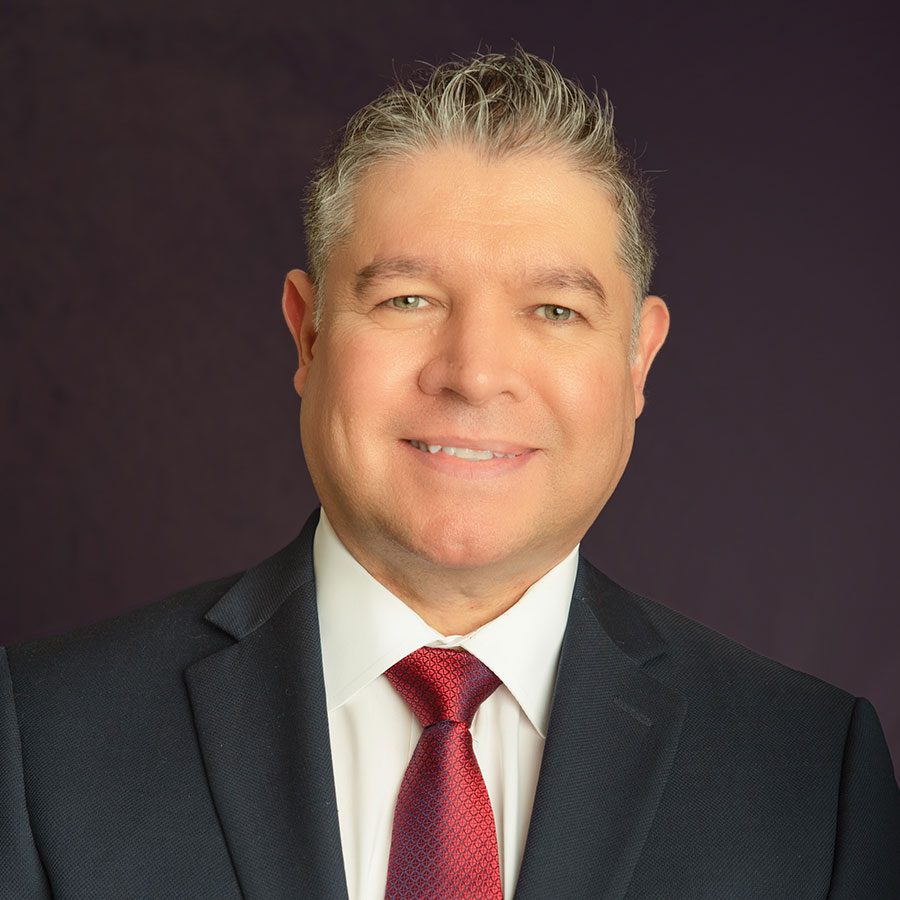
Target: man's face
<point>476,305</point>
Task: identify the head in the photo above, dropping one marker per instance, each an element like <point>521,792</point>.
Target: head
<point>477,246</point>
<point>504,105</point>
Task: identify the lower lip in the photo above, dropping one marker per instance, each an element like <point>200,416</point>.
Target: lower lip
<point>470,468</point>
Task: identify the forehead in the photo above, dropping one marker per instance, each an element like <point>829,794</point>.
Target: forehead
<point>463,210</point>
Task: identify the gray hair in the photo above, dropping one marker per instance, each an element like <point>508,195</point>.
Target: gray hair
<point>500,104</point>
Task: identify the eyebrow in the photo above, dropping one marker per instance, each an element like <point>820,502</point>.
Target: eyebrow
<point>379,269</point>
<point>577,278</point>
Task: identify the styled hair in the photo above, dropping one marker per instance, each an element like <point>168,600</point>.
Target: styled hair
<point>500,105</point>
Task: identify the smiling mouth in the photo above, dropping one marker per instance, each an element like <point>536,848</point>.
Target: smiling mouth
<point>463,452</point>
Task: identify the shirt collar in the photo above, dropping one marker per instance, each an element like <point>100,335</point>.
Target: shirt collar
<point>365,629</point>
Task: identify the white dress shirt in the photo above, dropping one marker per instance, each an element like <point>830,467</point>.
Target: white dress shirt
<point>365,629</point>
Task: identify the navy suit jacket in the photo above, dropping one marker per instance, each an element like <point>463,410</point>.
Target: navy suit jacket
<point>182,751</point>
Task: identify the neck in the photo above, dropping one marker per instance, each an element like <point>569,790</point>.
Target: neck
<point>452,600</point>
<point>454,608</point>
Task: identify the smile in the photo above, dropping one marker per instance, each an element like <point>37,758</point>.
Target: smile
<point>462,452</point>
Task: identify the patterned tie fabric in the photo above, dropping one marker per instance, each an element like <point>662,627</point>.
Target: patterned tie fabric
<point>443,846</point>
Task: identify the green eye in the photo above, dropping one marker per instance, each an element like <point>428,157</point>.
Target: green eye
<point>411,301</point>
<point>558,313</point>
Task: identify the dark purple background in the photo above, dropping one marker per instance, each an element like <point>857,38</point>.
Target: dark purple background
<point>151,185</point>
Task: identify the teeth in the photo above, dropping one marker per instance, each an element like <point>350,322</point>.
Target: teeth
<point>461,452</point>
<point>465,453</point>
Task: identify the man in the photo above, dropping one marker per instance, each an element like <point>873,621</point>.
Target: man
<point>429,693</point>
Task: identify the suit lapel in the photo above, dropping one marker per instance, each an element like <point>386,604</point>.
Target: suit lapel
<point>611,739</point>
<point>262,723</point>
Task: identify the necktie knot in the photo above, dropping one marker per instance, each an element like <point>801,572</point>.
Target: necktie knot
<point>442,684</point>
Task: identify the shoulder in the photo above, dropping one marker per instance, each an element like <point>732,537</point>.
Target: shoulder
<point>720,677</point>
<point>148,642</point>
<point>139,658</point>
<point>785,738</point>
<point>700,652</point>
<point>784,764</point>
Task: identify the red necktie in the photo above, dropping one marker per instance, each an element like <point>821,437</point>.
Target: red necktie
<point>443,846</point>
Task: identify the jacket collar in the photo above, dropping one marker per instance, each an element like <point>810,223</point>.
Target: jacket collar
<point>262,723</point>
<point>613,733</point>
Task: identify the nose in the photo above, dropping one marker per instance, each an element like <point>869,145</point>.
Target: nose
<point>478,357</point>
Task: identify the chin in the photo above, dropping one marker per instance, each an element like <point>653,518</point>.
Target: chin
<point>461,542</point>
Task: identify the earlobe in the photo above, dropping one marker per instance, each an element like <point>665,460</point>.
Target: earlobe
<point>297,306</point>
<point>653,331</point>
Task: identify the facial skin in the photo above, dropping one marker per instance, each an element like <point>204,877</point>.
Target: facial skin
<point>475,359</point>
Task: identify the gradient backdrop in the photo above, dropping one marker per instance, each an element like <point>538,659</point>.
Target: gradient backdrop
<point>152,166</point>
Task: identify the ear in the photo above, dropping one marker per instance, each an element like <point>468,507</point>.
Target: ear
<point>297,303</point>
<point>651,336</point>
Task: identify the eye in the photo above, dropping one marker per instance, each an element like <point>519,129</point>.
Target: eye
<point>558,313</point>
<point>406,301</point>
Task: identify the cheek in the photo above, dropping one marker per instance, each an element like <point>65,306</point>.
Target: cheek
<point>594,411</point>
<point>591,401</point>
<point>358,382</point>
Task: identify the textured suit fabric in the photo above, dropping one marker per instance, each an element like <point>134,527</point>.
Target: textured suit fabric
<point>182,751</point>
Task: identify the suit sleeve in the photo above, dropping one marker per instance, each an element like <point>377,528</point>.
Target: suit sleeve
<point>21,871</point>
<point>867,840</point>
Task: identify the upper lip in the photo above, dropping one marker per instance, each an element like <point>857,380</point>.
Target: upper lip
<point>471,443</point>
